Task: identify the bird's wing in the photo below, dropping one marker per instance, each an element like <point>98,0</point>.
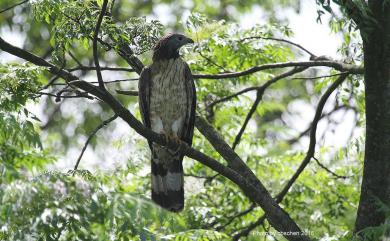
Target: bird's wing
<point>144,96</point>
<point>189,122</point>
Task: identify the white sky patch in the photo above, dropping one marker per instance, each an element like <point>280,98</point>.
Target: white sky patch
<point>316,37</point>
<point>14,37</point>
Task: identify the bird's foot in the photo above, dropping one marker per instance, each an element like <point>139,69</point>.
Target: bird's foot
<point>173,138</point>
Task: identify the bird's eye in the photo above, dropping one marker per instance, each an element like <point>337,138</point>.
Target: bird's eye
<point>180,38</point>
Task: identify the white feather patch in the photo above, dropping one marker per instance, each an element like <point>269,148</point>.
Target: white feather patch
<point>156,123</point>
<point>177,125</point>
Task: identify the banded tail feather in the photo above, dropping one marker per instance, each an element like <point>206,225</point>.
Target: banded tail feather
<point>168,182</point>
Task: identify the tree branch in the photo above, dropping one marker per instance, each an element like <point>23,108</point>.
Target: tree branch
<point>127,92</point>
<point>281,40</point>
<point>259,97</point>
<point>95,53</point>
<point>328,170</point>
<point>269,82</point>
<point>353,69</point>
<point>15,5</point>
<point>104,123</point>
<point>313,130</point>
<point>101,68</point>
<point>245,232</point>
<point>238,215</point>
<point>249,184</point>
<point>307,130</point>
<point>310,154</point>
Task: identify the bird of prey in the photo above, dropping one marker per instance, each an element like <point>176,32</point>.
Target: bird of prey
<point>167,100</point>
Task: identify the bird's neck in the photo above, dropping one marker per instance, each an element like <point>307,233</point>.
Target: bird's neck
<point>165,54</point>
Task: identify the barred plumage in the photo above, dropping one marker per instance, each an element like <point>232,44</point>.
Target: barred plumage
<point>167,100</point>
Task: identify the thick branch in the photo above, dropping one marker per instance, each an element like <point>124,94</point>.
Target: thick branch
<point>279,217</point>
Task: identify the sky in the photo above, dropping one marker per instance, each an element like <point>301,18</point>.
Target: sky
<point>314,36</point>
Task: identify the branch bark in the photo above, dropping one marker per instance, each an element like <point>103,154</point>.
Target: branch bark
<point>94,45</point>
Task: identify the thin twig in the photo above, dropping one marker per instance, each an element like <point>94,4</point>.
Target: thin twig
<point>307,130</point>
<point>105,82</point>
<point>281,40</point>
<point>259,96</point>
<point>79,95</point>
<point>226,98</point>
<point>238,215</point>
<point>328,170</point>
<point>95,53</point>
<point>320,77</point>
<point>127,92</point>
<point>101,68</point>
<point>248,229</point>
<point>212,62</point>
<point>74,58</point>
<point>104,123</point>
<point>15,5</point>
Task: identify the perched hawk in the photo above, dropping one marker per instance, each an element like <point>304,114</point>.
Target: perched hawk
<point>167,102</point>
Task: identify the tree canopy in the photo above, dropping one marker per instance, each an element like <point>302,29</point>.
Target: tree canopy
<point>264,163</point>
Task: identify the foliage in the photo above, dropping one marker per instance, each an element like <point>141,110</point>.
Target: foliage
<point>115,206</point>
<point>80,206</point>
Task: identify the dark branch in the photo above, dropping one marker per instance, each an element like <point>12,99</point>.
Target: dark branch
<point>322,76</point>
<point>245,232</point>
<point>59,96</point>
<point>281,40</point>
<point>353,69</point>
<point>312,144</point>
<point>270,81</point>
<point>259,96</point>
<point>328,170</point>
<point>237,164</point>
<point>307,130</point>
<point>238,215</point>
<point>15,5</point>
<point>127,92</point>
<point>93,133</point>
<point>105,82</point>
<point>95,53</point>
<point>101,68</point>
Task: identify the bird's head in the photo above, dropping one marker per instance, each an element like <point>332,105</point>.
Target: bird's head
<point>168,46</point>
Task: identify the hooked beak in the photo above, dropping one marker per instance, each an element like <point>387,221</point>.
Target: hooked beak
<point>189,41</point>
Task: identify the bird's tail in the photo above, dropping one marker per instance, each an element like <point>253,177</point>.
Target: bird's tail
<point>167,180</point>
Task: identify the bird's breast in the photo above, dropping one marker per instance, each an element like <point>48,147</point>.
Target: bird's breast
<point>168,98</point>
